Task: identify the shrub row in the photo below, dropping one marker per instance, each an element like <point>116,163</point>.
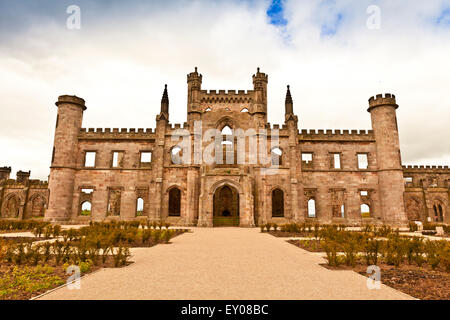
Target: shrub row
<point>93,243</point>
<point>21,225</point>
<point>395,250</point>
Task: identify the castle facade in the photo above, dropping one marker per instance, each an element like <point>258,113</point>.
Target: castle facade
<point>228,166</point>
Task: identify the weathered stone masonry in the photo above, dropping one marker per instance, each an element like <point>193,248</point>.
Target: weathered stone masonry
<point>320,178</point>
<point>22,198</point>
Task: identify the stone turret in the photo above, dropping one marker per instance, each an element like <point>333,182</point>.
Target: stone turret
<point>23,176</point>
<point>65,148</point>
<point>260,81</point>
<point>194,81</point>
<point>390,174</point>
<point>5,173</point>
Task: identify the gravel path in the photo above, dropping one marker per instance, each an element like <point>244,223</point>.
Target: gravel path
<point>224,263</point>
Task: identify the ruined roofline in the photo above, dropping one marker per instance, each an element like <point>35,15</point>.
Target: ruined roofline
<point>422,168</point>
<point>336,135</point>
<point>227,92</point>
<point>231,96</point>
<point>31,182</point>
<point>117,130</point>
<point>335,132</point>
<point>129,130</point>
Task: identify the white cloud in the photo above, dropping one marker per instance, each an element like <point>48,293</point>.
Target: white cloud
<point>121,58</point>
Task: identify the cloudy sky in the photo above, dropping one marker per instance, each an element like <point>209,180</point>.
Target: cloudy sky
<point>334,54</point>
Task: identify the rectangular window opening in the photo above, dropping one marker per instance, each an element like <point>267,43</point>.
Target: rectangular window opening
<point>336,161</point>
<point>146,157</point>
<point>117,160</point>
<point>307,157</point>
<point>89,160</point>
<point>363,162</point>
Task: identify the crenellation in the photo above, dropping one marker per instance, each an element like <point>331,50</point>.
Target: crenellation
<point>425,168</point>
<point>116,133</point>
<point>336,135</point>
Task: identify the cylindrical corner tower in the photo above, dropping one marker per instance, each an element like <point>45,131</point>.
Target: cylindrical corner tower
<point>63,166</point>
<point>390,174</point>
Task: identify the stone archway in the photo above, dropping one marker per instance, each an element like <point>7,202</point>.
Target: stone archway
<point>226,206</point>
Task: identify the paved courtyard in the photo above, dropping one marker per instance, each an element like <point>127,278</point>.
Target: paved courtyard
<point>224,263</point>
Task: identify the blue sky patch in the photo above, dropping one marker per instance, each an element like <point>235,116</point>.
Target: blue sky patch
<point>276,13</point>
<point>330,28</point>
<point>444,18</point>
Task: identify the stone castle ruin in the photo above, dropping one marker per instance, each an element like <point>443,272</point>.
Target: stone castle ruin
<point>324,176</point>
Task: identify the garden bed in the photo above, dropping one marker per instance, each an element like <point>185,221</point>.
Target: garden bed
<point>419,282</point>
<point>28,269</point>
<point>422,282</point>
<point>312,245</point>
<point>23,282</point>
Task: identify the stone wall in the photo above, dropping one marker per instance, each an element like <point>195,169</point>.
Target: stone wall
<point>22,198</point>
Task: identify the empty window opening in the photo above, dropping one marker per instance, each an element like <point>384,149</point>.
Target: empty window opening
<point>146,157</point>
<point>408,179</point>
<point>365,211</point>
<point>140,207</point>
<point>244,110</point>
<point>175,155</point>
<point>276,156</point>
<point>363,162</point>
<point>117,160</point>
<point>311,208</point>
<point>364,193</point>
<point>342,211</point>
<point>207,109</point>
<point>174,202</point>
<point>226,131</point>
<point>89,160</point>
<point>227,135</point>
<point>336,161</point>
<point>441,214</point>
<point>438,213</point>
<point>307,157</point>
<point>87,190</point>
<point>86,208</point>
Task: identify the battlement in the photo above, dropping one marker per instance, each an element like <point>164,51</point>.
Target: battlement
<point>38,183</point>
<point>174,126</point>
<point>226,96</point>
<point>67,99</point>
<point>382,100</point>
<point>5,169</point>
<point>417,168</point>
<point>261,76</point>
<point>336,135</point>
<point>116,133</point>
<point>35,183</point>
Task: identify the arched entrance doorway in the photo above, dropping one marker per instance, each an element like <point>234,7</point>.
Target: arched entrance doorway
<point>226,206</point>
